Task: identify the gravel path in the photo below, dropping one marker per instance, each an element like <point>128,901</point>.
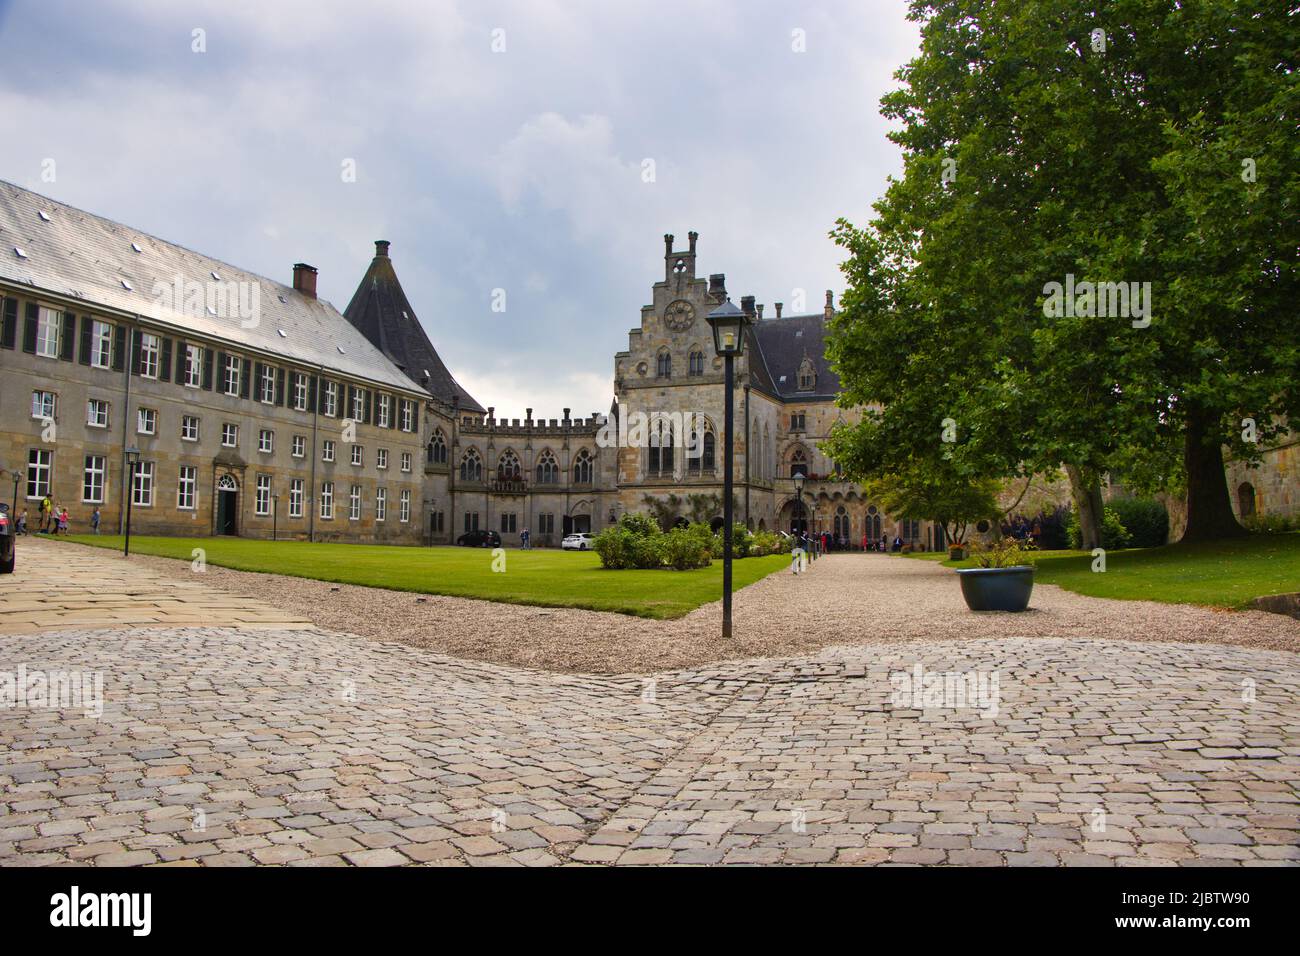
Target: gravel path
<point>849,599</point>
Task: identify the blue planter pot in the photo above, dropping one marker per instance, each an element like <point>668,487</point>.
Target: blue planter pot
<point>997,589</point>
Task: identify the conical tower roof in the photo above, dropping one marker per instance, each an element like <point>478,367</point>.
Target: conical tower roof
<point>381,312</point>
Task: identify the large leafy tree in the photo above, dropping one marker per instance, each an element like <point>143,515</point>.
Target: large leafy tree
<point>1048,138</point>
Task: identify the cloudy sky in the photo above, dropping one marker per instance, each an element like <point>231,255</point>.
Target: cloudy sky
<point>498,145</point>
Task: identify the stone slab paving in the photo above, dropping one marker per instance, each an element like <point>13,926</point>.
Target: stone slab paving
<point>66,586</point>
<point>226,746</point>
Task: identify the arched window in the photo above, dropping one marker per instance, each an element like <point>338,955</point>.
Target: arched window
<point>227,483</point>
<point>798,463</point>
<point>508,467</point>
<point>697,363</point>
<point>436,453</point>
<point>704,461</point>
<point>1246,499</point>
<point>548,469</point>
<point>769,463</point>
<point>842,523</point>
<point>584,466</point>
<point>471,466</point>
<point>664,365</point>
<point>660,458</point>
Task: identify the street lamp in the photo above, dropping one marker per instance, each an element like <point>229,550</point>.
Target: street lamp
<point>728,324</point>
<point>132,459</point>
<point>798,488</point>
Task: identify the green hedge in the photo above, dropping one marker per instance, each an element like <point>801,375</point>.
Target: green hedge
<point>1114,535</point>
<point>1145,519</point>
<point>637,542</point>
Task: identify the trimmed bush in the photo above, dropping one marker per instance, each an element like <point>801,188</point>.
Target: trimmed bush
<point>1145,519</point>
<point>648,551</point>
<point>639,524</point>
<point>684,550</point>
<point>614,546</point>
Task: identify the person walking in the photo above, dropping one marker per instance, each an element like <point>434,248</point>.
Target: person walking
<point>63,522</point>
<point>94,520</point>
<point>22,522</point>
<point>47,509</point>
<point>523,539</point>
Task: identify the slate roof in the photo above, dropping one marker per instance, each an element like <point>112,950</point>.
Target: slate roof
<point>782,345</point>
<point>381,311</point>
<point>73,253</point>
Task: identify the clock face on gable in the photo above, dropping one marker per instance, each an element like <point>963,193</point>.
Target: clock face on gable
<point>679,315</point>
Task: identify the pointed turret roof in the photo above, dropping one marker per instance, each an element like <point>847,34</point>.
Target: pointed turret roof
<point>381,312</point>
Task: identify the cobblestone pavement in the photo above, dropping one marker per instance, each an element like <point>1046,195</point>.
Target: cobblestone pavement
<point>230,746</point>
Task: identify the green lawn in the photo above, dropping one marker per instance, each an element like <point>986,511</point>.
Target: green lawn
<point>1221,574</point>
<point>542,577</point>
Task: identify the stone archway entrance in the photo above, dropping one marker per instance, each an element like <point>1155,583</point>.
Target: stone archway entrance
<point>227,505</point>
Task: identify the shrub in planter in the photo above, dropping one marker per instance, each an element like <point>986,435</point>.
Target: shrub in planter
<point>1113,533</point>
<point>956,552</point>
<point>1003,579</point>
<point>1145,519</point>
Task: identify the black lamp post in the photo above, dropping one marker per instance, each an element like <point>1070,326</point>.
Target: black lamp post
<point>728,323</point>
<point>275,515</point>
<point>132,459</point>
<point>798,488</point>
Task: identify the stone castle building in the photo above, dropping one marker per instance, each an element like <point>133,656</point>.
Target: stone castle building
<point>254,408</point>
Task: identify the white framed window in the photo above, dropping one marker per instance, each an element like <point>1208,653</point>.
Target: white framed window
<point>229,435</point>
<point>92,479</point>
<point>358,404</point>
<point>384,413</point>
<point>150,354</point>
<point>356,454</point>
<point>300,391</point>
<point>40,462</point>
<point>187,488</point>
<point>265,441</point>
<point>96,413</point>
<point>381,458</point>
<point>406,461</point>
<point>193,366</point>
<point>327,501</point>
<point>381,504</point>
<point>266,387</point>
<point>331,399</point>
<point>43,404</point>
<point>354,503</point>
<point>299,446</point>
<point>230,375</point>
<point>408,415</point>
<point>142,485</point>
<point>327,450</point>
<point>101,344</point>
<point>404,507</point>
<point>262,495</point>
<point>295,498</point>
<point>146,422</point>
<point>49,332</point>
<point>189,428</point>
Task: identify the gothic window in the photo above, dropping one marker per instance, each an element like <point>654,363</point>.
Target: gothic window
<point>660,459</point>
<point>807,375</point>
<point>664,365</point>
<point>471,466</point>
<point>548,469</point>
<point>798,463</point>
<point>841,523</point>
<point>797,421</point>
<point>508,467</point>
<point>704,462</point>
<point>697,363</point>
<point>436,453</point>
<point>1246,499</point>
<point>584,466</point>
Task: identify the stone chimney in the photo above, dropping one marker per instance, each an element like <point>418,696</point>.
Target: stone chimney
<point>381,248</point>
<point>304,279</point>
<point>693,236</point>
<point>566,411</point>
<point>830,303</point>
<point>718,286</point>
<point>747,304</point>
<point>668,243</point>
<point>779,307</point>
<point>759,308</point>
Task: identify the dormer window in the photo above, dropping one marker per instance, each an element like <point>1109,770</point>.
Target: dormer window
<point>807,375</point>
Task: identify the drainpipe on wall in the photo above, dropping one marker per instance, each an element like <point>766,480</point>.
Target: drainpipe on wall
<point>315,452</point>
<point>126,422</point>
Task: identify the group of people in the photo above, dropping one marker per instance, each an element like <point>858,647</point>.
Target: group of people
<point>1023,529</point>
<point>52,519</point>
<point>883,545</point>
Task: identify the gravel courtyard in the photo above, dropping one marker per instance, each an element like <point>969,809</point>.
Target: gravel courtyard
<point>843,599</point>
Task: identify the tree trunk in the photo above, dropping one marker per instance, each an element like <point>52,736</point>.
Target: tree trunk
<point>1085,486</point>
<point>1209,509</point>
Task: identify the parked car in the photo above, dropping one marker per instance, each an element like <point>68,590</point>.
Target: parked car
<point>479,539</point>
<point>579,541</point>
<point>7,535</point>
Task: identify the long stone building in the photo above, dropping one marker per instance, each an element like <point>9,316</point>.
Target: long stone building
<point>223,402</point>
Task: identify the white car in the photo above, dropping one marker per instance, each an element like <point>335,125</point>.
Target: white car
<point>580,541</point>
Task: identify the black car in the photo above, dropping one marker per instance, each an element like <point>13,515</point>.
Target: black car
<point>7,534</point>
<point>479,539</point>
